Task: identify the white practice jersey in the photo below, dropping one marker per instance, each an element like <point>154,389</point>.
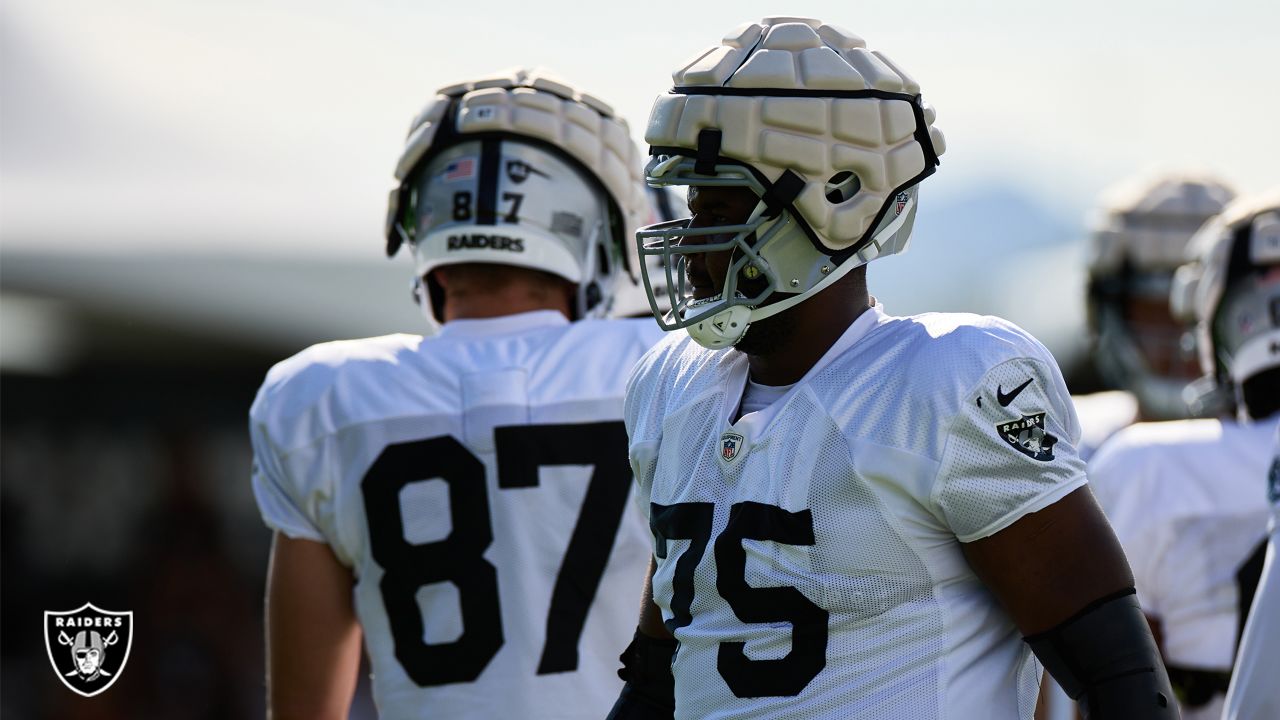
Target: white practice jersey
<point>1255,694</point>
<point>1103,414</point>
<point>476,483</point>
<point>1187,500</point>
<point>809,557</point>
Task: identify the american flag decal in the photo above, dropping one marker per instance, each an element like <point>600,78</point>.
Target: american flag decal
<point>460,169</point>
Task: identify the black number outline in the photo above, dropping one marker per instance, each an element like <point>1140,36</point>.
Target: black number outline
<point>462,205</point>
<point>521,450</point>
<point>406,567</point>
<point>783,677</point>
<point>513,215</point>
<point>788,675</point>
<point>681,521</point>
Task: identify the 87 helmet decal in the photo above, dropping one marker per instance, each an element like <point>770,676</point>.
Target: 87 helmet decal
<point>1137,242</point>
<point>1231,288</point>
<point>519,169</point>
<point>831,137</point>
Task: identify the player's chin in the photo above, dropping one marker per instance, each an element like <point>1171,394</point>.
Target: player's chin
<point>767,336</point>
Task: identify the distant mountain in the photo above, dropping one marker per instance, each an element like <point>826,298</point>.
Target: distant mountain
<point>993,249</point>
<point>1016,217</point>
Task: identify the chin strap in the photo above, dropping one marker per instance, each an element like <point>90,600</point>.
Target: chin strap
<point>727,326</point>
<point>1107,661</point>
<point>841,270</point>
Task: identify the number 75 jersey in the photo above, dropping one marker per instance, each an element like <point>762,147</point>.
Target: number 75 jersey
<point>476,483</point>
<point>809,554</point>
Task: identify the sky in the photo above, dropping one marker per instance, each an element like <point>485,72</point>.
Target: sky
<point>225,165</point>
<point>272,126</point>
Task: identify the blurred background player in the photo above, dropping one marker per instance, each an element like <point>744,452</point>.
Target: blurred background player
<point>632,301</point>
<point>1186,498</point>
<point>462,500</point>
<point>1137,243</point>
<point>854,514</point>
<point>1138,239</point>
<point>1254,693</point>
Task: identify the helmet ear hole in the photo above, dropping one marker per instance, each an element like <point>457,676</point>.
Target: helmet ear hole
<point>842,186</point>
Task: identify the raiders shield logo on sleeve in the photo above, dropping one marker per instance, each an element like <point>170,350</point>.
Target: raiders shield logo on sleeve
<point>88,646</point>
<point>1028,436</point>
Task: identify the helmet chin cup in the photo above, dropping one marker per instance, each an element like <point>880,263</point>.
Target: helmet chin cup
<point>722,330</point>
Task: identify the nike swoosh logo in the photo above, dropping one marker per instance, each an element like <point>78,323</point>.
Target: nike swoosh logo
<point>1004,399</point>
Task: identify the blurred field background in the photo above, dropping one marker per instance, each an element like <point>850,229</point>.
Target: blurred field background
<point>191,191</point>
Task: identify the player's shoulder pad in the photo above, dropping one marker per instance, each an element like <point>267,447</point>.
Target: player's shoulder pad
<point>1137,472</point>
<point>942,357</point>
<point>972,344</point>
<point>1142,444</point>
<point>296,386</point>
<point>669,369</point>
<point>624,337</point>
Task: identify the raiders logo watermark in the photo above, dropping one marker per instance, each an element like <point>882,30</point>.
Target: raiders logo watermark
<point>88,646</point>
<point>1028,436</point>
<point>731,447</point>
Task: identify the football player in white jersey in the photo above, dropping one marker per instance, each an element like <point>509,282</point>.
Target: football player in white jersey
<point>1137,243</point>
<point>855,515</point>
<point>461,500</point>
<point>1186,497</point>
<point>1254,694</point>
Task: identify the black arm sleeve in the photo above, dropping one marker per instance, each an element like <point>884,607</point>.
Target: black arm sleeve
<point>1106,660</point>
<point>650,690</point>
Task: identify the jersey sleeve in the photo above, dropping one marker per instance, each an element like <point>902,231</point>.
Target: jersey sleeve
<point>273,489</point>
<point>1009,450</point>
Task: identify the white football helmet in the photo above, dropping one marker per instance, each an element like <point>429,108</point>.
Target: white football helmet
<point>1231,288</point>
<point>519,169</point>
<point>1137,242</point>
<point>831,137</point>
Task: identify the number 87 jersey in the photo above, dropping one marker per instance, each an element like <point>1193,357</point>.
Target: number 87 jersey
<point>476,484</point>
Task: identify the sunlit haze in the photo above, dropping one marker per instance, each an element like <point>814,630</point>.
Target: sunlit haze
<point>271,127</point>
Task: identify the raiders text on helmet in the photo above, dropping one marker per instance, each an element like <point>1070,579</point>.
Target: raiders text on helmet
<point>1231,288</point>
<point>832,137</point>
<point>520,169</point>
<point>1139,238</point>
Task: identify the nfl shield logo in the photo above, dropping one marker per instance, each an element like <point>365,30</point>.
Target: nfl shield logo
<point>88,647</point>
<point>730,447</point>
<point>901,202</point>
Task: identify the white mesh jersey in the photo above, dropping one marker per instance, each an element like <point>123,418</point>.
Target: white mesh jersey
<point>476,483</point>
<point>1187,500</point>
<point>1254,694</point>
<point>809,556</point>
